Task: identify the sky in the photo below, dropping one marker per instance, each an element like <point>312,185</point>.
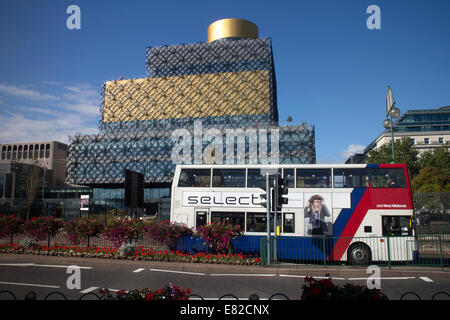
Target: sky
<point>332,70</point>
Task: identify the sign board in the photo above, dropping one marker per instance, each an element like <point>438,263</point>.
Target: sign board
<point>252,199</point>
<point>84,202</point>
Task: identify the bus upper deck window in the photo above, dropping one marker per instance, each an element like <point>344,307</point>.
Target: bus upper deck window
<point>313,178</point>
<point>255,179</point>
<point>351,178</point>
<point>289,175</point>
<point>388,178</point>
<point>229,178</point>
<point>194,178</point>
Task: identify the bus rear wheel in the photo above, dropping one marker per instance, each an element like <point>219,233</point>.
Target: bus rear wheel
<point>359,254</point>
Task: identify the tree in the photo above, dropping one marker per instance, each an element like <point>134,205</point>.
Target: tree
<point>438,158</point>
<point>31,187</point>
<point>431,179</point>
<point>404,153</point>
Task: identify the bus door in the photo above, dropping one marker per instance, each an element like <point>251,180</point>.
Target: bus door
<point>201,217</point>
<point>288,222</point>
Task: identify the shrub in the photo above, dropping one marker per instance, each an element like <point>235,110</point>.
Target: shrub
<point>219,236</point>
<point>39,228</point>
<point>29,243</point>
<point>10,225</point>
<point>127,250</point>
<point>169,292</point>
<point>79,229</point>
<point>325,289</point>
<point>123,230</point>
<point>168,233</point>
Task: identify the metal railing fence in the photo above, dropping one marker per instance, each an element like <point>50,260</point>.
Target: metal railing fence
<point>423,250</point>
<point>58,295</point>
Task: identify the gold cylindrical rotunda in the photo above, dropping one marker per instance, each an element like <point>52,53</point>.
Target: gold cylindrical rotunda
<point>231,28</point>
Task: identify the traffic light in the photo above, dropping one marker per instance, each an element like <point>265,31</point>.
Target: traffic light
<point>282,190</point>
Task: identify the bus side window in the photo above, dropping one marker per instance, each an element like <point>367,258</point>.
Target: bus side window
<point>233,178</point>
<point>388,178</point>
<point>313,178</point>
<point>257,222</point>
<point>289,175</point>
<point>194,178</point>
<point>183,180</point>
<point>255,179</point>
<point>233,218</point>
<point>351,178</point>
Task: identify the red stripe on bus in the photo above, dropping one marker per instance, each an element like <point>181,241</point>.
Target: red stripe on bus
<point>352,226</point>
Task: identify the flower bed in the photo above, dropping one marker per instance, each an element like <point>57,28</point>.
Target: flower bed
<point>169,292</point>
<point>168,233</point>
<point>79,229</point>
<point>122,238</point>
<point>142,254</point>
<point>219,235</point>
<point>122,230</point>
<point>39,228</point>
<point>10,225</point>
<point>325,289</point>
<point>63,251</point>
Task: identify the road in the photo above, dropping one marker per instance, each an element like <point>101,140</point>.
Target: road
<point>45,274</point>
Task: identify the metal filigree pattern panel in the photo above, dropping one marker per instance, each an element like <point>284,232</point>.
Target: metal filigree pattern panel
<point>190,96</point>
<point>216,57</point>
<point>102,158</point>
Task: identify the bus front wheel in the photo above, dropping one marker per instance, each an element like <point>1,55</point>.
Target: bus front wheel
<point>359,254</point>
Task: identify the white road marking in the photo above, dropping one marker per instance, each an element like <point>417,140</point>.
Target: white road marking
<point>242,275</point>
<point>89,290</point>
<point>30,285</point>
<point>182,272</point>
<point>139,270</point>
<point>384,278</point>
<point>295,276</point>
<point>39,265</point>
<point>59,266</point>
<point>426,279</point>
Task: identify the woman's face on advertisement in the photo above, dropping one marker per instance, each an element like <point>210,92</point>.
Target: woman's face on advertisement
<point>317,204</point>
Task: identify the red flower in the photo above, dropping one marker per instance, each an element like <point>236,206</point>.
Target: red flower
<point>316,291</point>
<point>326,283</point>
<point>309,279</point>
<point>149,296</point>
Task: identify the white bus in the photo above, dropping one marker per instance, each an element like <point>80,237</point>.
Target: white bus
<point>357,213</point>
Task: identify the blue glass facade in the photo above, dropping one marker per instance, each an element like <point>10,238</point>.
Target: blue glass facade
<point>424,120</point>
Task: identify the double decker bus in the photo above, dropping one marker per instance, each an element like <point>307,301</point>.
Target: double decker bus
<point>356,213</point>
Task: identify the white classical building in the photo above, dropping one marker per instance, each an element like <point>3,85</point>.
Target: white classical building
<point>50,155</point>
<point>427,129</point>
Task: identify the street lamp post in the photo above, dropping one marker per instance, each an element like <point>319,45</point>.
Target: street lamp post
<point>391,113</point>
<point>43,188</point>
